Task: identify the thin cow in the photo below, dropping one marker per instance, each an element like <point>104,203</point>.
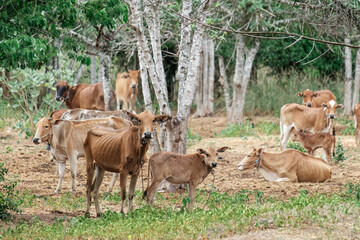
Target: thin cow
<point>356,113</point>
<point>66,140</point>
<point>317,98</point>
<point>295,116</point>
<point>119,152</point>
<point>126,89</point>
<point>177,168</point>
<point>287,166</point>
<point>87,96</point>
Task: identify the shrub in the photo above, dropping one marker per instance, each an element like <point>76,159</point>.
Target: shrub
<point>238,130</point>
<point>296,145</point>
<point>339,152</point>
<point>9,198</point>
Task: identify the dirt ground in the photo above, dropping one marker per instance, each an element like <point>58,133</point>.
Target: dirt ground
<point>31,163</point>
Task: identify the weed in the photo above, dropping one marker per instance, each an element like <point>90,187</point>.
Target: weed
<point>267,128</point>
<point>238,130</point>
<point>339,152</point>
<point>8,149</point>
<point>296,145</point>
<point>192,138</point>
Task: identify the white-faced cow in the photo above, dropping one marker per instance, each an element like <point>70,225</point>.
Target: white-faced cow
<point>119,152</point>
<point>66,140</point>
<point>287,166</point>
<point>317,98</point>
<point>295,116</point>
<point>126,89</point>
<point>356,113</point>
<point>176,168</point>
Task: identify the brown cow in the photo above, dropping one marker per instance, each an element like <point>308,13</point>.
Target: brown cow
<point>57,113</point>
<point>316,99</point>
<point>66,140</point>
<point>356,113</point>
<point>126,89</point>
<point>295,116</point>
<point>311,142</point>
<point>119,152</point>
<point>177,168</point>
<point>287,166</point>
<point>85,96</point>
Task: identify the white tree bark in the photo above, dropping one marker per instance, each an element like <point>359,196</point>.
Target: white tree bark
<point>356,80</point>
<point>199,96</point>
<point>78,74</point>
<point>225,84</point>
<point>108,92</point>
<point>101,71</point>
<point>211,77</point>
<point>93,69</point>
<point>348,79</point>
<point>241,78</point>
<point>205,72</point>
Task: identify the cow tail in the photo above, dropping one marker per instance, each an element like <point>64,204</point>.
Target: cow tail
<point>148,179</point>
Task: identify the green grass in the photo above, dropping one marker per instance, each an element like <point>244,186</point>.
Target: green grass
<point>296,145</point>
<point>225,215</point>
<point>192,138</point>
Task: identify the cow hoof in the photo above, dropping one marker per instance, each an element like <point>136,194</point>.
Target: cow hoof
<point>57,191</point>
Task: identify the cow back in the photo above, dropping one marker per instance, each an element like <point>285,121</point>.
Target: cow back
<point>300,116</point>
<point>324,96</point>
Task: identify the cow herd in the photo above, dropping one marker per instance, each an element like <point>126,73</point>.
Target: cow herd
<point>117,141</point>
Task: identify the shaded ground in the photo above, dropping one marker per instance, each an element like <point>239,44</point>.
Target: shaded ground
<point>31,163</point>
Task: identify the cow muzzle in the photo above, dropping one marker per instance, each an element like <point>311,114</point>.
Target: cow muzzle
<point>214,164</point>
<point>309,104</point>
<point>36,140</point>
<point>59,98</point>
<point>332,116</point>
<point>147,135</point>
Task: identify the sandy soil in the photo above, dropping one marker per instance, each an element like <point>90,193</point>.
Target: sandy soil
<point>31,163</point>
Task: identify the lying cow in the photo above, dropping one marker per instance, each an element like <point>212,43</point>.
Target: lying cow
<point>121,152</point>
<point>311,142</point>
<point>316,99</point>
<point>66,140</point>
<point>126,89</point>
<point>295,116</point>
<point>180,169</point>
<point>287,166</point>
<point>356,113</point>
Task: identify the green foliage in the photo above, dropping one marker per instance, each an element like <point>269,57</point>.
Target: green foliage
<point>349,126</point>
<point>192,138</point>
<point>9,198</point>
<point>267,128</point>
<point>354,191</point>
<point>237,130</point>
<point>339,152</point>
<point>296,145</point>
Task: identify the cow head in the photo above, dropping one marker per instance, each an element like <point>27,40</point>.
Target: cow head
<point>62,90</point>
<point>134,78</point>
<point>211,156</point>
<point>43,130</point>
<point>252,159</point>
<point>298,134</point>
<point>330,108</point>
<point>308,96</point>
<point>146,122</point>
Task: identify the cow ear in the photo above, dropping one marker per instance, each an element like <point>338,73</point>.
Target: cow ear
<point>339,106</point>
<point>260,151</point>
<point>56,122</point>
<point>223,149</point>
<point>324,105</point>
<point>201,151</point>
<point>162,118</point>
<point>300,94</point>
<point>132,116</point>
<point>316,94</point>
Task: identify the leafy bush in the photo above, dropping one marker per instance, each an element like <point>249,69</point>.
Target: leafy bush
<point>9,199</point>
<point>296,145</point>
<point>339,152</point>
<point>238,130</point>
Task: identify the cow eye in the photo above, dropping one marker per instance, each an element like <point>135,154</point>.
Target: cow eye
<point>139,121</point>
<point>154,121</point>
<point>207,155</point>
<point>248,155</point>
<point>46,126</point>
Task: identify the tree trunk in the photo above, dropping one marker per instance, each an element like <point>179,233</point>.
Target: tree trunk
<point>211,77</point>
<point>241,78</point>
<point>356,80</point>
<point>93,69</point>
<point>108,92</point>
<point>101,71</point>
<point>205,73</point>
<point>78,74</point>
<point>225,84</point>
<point>348,79</point>
<point>199,90</point>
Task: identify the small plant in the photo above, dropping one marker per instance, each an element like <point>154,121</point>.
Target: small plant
<point>267,128</point>
<point>353,189</point>
<point>296,145</point>
<point>192,138</point>
<point>238,130</point>
<point>339,152</point>
<point>8,149</point>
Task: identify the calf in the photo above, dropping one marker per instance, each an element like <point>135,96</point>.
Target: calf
<point>356,113</point>
<point>180,169</point>
<point>295,116</point>
<point>126,89</point>
<point>66,140</point>
<point>121,152</point>
<point>314,141</point>
<point>316,99</point>
<point>287,166</point>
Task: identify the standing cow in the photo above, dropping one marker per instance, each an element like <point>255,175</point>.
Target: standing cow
<point>356,113</point>
<point>295,116</point>
<point>119,152</point>
<point>316,99</point>
<point>126,89</point>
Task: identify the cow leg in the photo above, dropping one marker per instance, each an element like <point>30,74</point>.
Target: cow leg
<point>326,154</point>
<point>283,180</point>
<point>192,191</point>
<point>73,169</point>
<point>61,172</point>
<point>98,180</point>
<point>285,136</point>
<point>132,189</point>
<point>152,190</point>
<point>123,178</point>
<point>118,103</point>
<point>112,183</point>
